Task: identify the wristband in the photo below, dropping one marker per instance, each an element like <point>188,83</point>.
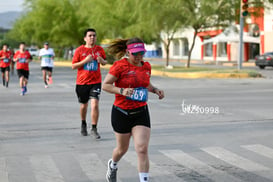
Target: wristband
<point>121,90</point>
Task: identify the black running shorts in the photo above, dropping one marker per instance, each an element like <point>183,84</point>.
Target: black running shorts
<point>124,120</point>
<point>85,92</point>
<point>3,70</point>
<point>24,73</point>
<point>47,68</point>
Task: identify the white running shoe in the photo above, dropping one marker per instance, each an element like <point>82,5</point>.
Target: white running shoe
<point>111,175</point>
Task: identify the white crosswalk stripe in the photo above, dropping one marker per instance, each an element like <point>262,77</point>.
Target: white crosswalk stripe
<point>198,166</point>
<point>157,174</point>
<point>92,166</point>
<point>45,169</point>
<point>234,159</point>
<point>260,149</point>
<point>65,85</point>
<point>3,170</point>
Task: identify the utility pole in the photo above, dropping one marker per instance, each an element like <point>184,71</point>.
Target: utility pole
<point>243,14</point>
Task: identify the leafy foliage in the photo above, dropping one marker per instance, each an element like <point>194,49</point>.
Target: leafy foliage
<point>53,21</point>
<point>62,22</point>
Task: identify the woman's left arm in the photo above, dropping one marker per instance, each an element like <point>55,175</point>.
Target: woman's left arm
<point>157,91</point>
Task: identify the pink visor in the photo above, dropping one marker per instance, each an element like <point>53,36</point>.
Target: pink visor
<point>136,47</point>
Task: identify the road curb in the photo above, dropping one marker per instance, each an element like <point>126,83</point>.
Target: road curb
<point>60,63</point>
<point>188,75</point>
<point>194,75</point>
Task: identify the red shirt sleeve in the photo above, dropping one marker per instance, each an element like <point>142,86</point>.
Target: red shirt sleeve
<point>76,57</point>
<point>103,55</point>
<point>15,55</point>
<point>28,55</point>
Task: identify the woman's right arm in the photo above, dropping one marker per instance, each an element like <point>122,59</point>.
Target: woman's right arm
<point>109,87</point>
<point>108,84</point>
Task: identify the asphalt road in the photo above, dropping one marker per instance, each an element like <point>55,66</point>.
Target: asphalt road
<point>205,130</point>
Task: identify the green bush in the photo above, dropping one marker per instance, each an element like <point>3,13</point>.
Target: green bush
<point>254,74</point>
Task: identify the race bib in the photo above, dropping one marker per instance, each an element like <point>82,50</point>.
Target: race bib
<point>47,60</point>
<point>140,94</point>
<point>91,66</point>
<point>6,60</point>
<point>22,60</point>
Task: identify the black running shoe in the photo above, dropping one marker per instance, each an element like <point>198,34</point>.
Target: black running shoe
<point>94,133</point>
<point>84,130</point>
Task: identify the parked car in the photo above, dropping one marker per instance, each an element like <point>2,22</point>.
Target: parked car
<point>264,60</point>
<point>33,51</point>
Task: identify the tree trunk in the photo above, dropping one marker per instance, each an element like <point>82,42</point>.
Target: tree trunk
<point>192,46</point>
<point>167,54</point>
<point>167,46</point>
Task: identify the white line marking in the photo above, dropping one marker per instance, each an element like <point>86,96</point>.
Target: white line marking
<point>157,173</point>
<point>234,159</point>
<point>92,166</point>
<point>260,149</point>
<point>3,170</point>
<point>45,169</point>
<point>198,166</point>
<point>64,85</point>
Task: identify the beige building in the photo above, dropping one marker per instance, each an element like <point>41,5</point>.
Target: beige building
<point>222,45</point>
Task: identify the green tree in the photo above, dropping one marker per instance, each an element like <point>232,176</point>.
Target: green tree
<point>163,18</point>
<point>155,20</point>
<point>62,22</point>
<point>103,16</point>
<point>141,18</point>
<point>205,14</point>
<point>54,21</point>
<point>201,15</point>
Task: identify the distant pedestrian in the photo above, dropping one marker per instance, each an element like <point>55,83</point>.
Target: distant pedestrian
<point>87,60</point>
<point>46,55</point>
<point>129,80</point>
<point>5,60</point>
<point>22,58</point>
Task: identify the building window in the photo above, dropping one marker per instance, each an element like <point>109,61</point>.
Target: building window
<point>222,49</point>
<point>208,49</point>
<point>185,48</point>
<point>176,47</point>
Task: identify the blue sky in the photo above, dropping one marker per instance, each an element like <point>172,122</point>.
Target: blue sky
<point>11,5</point>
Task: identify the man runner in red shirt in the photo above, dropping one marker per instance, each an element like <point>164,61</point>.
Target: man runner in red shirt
<point>22,57</point>
<point>5,60</point>
<point>87,60</point>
